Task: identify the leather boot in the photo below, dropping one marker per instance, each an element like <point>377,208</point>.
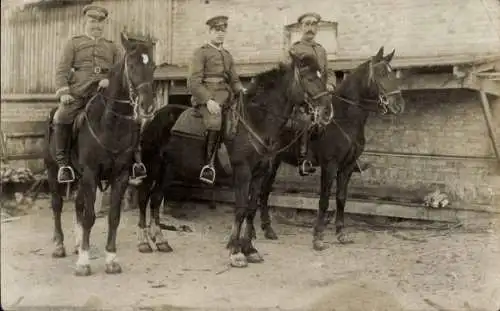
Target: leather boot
<point>62,133</point>
<point>138,168</point>
<point>305,165</point>
<point>207,174</point>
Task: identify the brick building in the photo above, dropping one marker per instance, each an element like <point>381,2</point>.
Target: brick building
<point>441,141</point>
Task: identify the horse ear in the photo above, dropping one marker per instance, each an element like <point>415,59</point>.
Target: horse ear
<point>125,41</point>
<point>379,54</point>
<point>389,57</point>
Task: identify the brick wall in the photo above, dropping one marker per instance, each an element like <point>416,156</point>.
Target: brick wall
<point>414,28</point>
<point>436,122</point>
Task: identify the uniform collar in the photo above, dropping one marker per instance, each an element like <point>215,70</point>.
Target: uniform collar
<point>215,46</point>
<point>92,38</point>
<point>308,42</point>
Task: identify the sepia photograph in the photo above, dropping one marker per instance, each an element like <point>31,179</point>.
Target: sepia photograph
<point>290,155</point>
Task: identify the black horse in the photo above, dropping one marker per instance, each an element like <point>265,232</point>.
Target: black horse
<point>371,87</point>
<point>102,150</point>
<point>259,120</point>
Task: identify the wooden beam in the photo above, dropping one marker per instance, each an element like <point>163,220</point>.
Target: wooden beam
<point>489,123</point>
<point>301,201</point>
<point>169,72</point>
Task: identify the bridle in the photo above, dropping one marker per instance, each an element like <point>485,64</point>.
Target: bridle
<point>137,115</point>
<point>270,149</point>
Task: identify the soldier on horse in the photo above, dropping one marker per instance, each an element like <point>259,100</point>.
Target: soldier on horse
<point>82,71</point>
<point>213,83</point>
<point>307,45</point>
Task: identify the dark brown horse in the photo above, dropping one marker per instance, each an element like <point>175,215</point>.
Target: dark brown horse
<point>261,118</point>
<point>371,87</point>
<point>102,150</point>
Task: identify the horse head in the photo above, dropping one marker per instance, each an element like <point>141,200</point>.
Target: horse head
<point>380,84</point>
<point>138,70</point>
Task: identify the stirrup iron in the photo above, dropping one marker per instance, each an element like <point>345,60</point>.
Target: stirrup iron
<point>60,173</point>
<point>208,169</point>
<point>138,167</point>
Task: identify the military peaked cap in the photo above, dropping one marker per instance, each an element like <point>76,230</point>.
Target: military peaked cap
<point>96,12</point>
<point>315,15</point>
<point>219,20</point>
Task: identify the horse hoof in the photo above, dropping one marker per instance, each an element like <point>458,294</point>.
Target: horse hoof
<point>164,247</point>
<point>238,260</point>
<point>270,234</point>
<point>145,248</point>
<point>254,258</point>
<point>75,251</point>
<point>344,239</point>
<point>113,268</point>
<point>59,252</point>
<point>82,270</point>
<point>319,245</point>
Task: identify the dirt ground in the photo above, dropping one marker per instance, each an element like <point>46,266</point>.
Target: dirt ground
<point>386,269</point>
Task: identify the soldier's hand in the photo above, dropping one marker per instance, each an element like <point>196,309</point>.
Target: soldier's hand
<point>104,83</point>
<point>330,87</point>
<point>213,107</point>
<point>66,99</point>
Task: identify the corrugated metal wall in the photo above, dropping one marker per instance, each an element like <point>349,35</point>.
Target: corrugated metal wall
<point>29,37</point>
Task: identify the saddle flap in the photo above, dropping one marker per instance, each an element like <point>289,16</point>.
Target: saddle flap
<point>190,123</point>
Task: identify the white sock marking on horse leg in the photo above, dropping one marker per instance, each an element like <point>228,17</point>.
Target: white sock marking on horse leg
<point>83,257</point>
<point>110,257</point>
<point>78,235</point>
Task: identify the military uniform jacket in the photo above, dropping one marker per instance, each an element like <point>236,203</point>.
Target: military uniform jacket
<point>317,50</point>
<point>84,60</point>
<point>208,62</point>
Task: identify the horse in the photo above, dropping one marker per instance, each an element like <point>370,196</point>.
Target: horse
<point>256,121</point>
<point>338,143</point>
<point>102,147</point>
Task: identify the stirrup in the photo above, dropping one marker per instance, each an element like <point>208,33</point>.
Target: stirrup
<point>207,169</point>
<point>306,168</point>
<point>138,167</point>
<point>62,170</point>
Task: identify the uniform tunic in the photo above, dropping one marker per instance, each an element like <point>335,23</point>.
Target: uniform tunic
<point>317,50</point>
<point>84,62</point>
<point>212,75</point>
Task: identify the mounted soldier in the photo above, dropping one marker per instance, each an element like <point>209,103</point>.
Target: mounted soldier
<point>213,83</point>
<point>307,45</point>
<point>82,71</point>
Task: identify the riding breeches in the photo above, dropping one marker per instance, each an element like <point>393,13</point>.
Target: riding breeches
<point>213,122</point>
<point>66,113</point>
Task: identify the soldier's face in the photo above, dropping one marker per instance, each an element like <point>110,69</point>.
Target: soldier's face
<point>218,34</point>
<point>309,27</point>
<point>94,27</point>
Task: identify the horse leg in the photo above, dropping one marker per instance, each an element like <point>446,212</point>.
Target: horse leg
<point>328,171</point>
<point>156,199</point>
<point>144,190</point>
<point>265,192</point>
<point>56,192</point>
<point>117,191</point>
<point>251,253</point>
<point>343,178</point>
<point>242,176</point>
<point>85,216</point>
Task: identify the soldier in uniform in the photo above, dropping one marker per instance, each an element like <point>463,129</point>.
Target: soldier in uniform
<point>82,71</point>
<point>307,45</point>
<point>213,83</point>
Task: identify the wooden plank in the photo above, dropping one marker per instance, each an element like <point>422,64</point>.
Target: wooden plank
<point>169,72</point>
<point>9,127</point>
<point>300,201</point>
<point>489,123</point>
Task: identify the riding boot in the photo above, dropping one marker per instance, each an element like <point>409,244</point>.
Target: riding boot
<point>62,133</point>
<point>305,165</point>
<point>138,168</point>
<point>207,174</point>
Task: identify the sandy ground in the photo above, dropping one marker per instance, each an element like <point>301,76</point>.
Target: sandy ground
<point>457,269</point>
